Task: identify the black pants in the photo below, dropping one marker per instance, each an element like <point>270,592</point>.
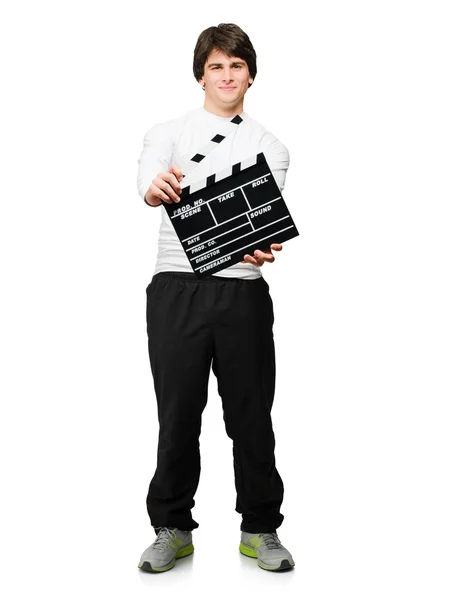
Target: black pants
<point>191,324</point>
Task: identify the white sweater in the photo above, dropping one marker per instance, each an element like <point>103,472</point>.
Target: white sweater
<point>175,142</point>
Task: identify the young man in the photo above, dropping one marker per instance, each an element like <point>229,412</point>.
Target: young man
<point>224,321</point>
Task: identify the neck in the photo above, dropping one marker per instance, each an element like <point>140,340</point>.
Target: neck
<point>226,111</point>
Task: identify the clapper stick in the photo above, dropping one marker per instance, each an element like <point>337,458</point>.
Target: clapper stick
<point>228,127</point>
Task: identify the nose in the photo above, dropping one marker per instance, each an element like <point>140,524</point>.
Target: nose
<point>227,77</point>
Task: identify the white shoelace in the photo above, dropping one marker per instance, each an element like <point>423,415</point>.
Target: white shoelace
<point>164,536</point>
<point>271,540</point>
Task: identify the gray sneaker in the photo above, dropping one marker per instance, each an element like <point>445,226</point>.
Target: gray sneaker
<point>171,543</point>
<point>267,548</point>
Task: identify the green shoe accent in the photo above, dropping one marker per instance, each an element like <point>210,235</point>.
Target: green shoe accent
<point>185,551</point>
<point>256,542</point>
<point>247,551</point>
<point>268,568</point>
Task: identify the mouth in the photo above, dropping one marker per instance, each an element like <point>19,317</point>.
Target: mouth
<point>227,89</point>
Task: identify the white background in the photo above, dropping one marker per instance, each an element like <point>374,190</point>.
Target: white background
<point>359,93</point>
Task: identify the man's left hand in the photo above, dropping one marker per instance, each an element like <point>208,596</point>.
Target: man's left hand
<point>259,258</point>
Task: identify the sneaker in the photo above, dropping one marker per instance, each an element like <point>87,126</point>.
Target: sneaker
<point>267,548</point>
<point>171,543</point>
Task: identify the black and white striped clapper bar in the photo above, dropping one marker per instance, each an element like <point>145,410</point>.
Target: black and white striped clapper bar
<point>234,212</point>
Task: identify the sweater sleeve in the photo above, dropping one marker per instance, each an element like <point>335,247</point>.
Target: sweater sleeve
<point>156,155</point>
<point>277,156</point>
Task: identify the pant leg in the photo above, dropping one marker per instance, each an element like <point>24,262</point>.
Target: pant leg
<point>180,351</point>
<point>244,364</point>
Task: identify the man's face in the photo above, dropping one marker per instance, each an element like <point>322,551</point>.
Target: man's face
<point>225,79</point>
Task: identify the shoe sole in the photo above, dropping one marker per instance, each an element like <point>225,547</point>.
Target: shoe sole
<point>146,566</point>
<point>247,551</point>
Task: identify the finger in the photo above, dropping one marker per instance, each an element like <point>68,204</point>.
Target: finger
<point>164,197</point>
<point>253,261</point>
<point>158,193</point>
<point>176,169</point>
<point>247,259</point>
<point>276,247</point>
<point>170,178</point>
<point>267,256</point>
<point>166,188</point>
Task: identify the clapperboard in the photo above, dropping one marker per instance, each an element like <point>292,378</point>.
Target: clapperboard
<point>224,216</point>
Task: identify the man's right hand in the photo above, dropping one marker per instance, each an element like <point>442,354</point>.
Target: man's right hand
<point>165,186</point>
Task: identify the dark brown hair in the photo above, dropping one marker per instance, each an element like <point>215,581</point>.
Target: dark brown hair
<point>228,38</point>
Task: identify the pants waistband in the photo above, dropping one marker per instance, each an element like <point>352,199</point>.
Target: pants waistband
<point>193,276</point>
